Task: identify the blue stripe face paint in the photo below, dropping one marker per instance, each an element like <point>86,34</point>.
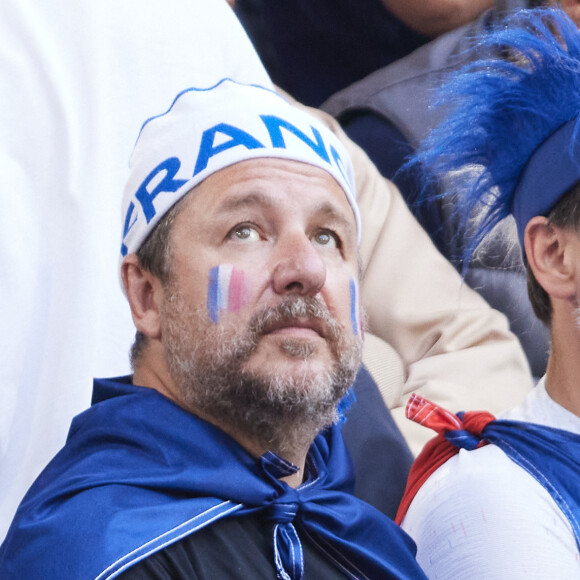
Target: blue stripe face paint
<point>355,307</point>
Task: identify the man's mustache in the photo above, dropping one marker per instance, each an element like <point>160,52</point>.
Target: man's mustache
<point>293,308</point>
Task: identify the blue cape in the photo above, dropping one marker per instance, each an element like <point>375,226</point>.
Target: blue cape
<point>138,473</point>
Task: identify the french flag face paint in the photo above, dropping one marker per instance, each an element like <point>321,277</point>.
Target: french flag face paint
<point>226,290</point>
<point>355,308</point>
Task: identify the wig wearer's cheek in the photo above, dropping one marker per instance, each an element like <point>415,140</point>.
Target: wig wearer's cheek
<point>355,316</point>
<point>226,290</point>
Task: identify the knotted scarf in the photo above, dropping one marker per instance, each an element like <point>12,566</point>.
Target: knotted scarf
<point>138,473</point>
<point>551,456</point>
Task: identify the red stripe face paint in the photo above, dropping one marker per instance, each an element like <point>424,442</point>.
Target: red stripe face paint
<point>226,290</point>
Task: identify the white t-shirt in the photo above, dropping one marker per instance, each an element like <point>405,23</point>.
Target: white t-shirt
<point>77,81</point>
<point>481,516</point>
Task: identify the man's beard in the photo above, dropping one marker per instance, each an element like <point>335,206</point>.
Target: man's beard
<point>281,412</point>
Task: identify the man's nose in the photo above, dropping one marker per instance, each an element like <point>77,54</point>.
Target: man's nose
<point>300,268</point>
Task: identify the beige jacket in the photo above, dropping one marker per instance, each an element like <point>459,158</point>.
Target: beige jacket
<point>449,344</point>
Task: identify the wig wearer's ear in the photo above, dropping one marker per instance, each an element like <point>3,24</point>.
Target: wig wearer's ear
<point>144,292</point>
<point>550,253</point>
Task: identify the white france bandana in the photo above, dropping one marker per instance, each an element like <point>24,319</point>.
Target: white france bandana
<point>206,130</point>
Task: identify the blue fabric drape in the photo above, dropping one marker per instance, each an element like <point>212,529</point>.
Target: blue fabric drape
<point>138,473</point>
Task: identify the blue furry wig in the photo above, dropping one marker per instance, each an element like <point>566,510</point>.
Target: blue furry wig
<point>521,87</point>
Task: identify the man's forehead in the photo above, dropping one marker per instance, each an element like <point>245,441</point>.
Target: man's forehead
<point>269,183</point>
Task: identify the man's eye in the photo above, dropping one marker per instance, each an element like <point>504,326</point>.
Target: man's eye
<point>326,238</point>
<point>245,234</point>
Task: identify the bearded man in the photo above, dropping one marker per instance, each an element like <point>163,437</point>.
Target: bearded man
<point>221,456</point>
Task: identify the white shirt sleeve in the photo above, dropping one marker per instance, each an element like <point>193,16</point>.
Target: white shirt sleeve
<point>481,516</point>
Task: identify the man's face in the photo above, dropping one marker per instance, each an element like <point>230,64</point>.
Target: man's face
<point>263,285</point>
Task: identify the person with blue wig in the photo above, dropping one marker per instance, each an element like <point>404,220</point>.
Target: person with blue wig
<point>499,498</point>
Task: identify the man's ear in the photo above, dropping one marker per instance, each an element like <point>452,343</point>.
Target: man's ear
<point>144,292</point>
<point>551,254</point>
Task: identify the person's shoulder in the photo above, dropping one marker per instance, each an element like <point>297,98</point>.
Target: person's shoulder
<point>485,479</point>
<point>480,514</point>
<point>450,490</point>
